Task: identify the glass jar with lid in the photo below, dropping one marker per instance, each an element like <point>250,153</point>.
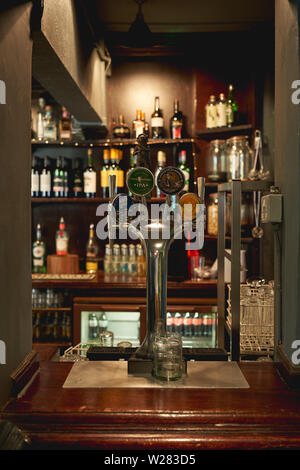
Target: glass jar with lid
<point>238,158</point>
<point>217,160</point>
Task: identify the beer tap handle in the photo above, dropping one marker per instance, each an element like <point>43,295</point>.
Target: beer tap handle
<point>201,189</point>
<point>111,190</point>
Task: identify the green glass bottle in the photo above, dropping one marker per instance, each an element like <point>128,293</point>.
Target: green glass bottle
<point>185,169</point>
<point>38,253</point>
<point>231,108</point>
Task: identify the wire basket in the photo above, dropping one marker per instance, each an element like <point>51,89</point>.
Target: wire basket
<point>256,318</point>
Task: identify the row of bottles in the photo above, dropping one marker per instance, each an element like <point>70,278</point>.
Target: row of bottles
<point>156,129</point>
<point>96,324</point>
<point>51,326</point>
<point>51,126</point>
<point>65,182</point>
<point>191,325</point>
<point>221,112</point>
<point>128,260</point>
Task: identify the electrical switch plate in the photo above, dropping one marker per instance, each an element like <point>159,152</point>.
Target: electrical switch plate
<point>271,208</point>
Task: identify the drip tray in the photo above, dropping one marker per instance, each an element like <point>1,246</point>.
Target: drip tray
<point>113,374</point>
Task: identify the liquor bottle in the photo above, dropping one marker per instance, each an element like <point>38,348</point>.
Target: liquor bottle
<point>113,165</point>
<point>205,330</point>
<point>176,122</point>
<point>89,177</point>
<point>91,263</point>
<point>62,238</point>
<point>119,173</point>
<point>107,262</point>
<point>140,260</point>
<point>161,163</point>
<point>58,179</point>
<point>157,121</point>
<point>184,168</point>
<point>116,259</point>
<point>103,322</point>
<point>231,107</point>
<point>65,125</point>
<point>146,125</point>
<point>221,111</point>
<point>93,326</point>
<point>121,130</point>
<point>35,178</point>
<point>65,175</point>
<point>77,179</point>
<point>132,263</point>
<point>38,252</point>
<point>211,113</point>
<point>45,179</point>
<point>138,125</point>
<point>124,259</point>
<point>104,175</point>
<point>50,125</point>
<point>41,118</point>
<point>178,322</point>
<point>187,325</point>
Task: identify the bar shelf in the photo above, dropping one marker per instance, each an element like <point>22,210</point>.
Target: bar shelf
<point>226,132</point>
<point>109,142</point>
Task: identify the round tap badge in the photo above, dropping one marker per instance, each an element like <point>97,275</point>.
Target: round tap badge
<point>170,180</point>
<point>140,181</point>
<point>190,200</point>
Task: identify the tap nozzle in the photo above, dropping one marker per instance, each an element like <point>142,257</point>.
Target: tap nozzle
<point>201,189</point>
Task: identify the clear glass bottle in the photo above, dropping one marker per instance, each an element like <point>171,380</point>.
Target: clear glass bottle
<point>107,263</point>
<point>116,259</point>
<point>91,263</point>
<point>38,252</point>
<point>211,112</point>
<point>217,161</point>
<point>132,263</point>
<point>124,259</point>
<point>50,124</point>
<point>138,125</point>
<point>161,163</point>
<point>62,238</point>
<point>141,263</point>
<point>221,108</point>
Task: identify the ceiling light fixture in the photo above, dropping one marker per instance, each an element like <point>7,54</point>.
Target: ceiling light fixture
<point>139,32</point>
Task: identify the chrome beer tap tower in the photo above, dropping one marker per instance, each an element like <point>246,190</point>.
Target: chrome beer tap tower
<point>178,215</point>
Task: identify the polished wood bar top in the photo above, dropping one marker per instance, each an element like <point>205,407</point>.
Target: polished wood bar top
<point>267,415</point>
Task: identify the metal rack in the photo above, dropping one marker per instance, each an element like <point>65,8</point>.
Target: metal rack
<point>236,187</point>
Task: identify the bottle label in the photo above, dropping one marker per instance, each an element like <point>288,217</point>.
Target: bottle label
<point>229,114</point>
<point>157,122</point>
<point>178,321</point>
<point>120,179</point>
<point>57,183</point>
<point>139,128</point>
<point>210,116</point>
<point>45,181</point>
<point>176,131</point>
<point>93,323</point>
<point>38,252</point>
<point>91,266</point>
<point>89,181</point>
<point>34,182</point>
<point>38,262</point>
<point>187,321</point>
<point>104,178</point>
<point>61,245</point>
<point>77,185</point>
<point>221,119</point>
<point>197,321</point>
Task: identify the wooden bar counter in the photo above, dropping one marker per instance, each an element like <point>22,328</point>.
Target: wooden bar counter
<point>264,416</point>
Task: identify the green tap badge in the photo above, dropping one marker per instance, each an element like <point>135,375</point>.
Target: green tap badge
<point>140,181</point>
